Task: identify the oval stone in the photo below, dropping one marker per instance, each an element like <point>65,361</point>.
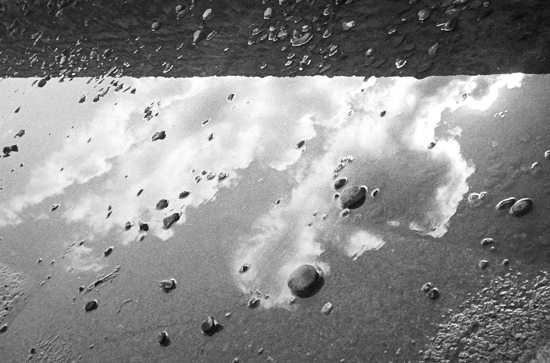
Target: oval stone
<point>209,325</point>
<point>521,207</point>
<point>91,305</point>
<point>304,280</point>
<point>339,183</point>
<point>353,197</point>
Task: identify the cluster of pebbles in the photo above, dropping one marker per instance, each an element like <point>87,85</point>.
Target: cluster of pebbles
<point>312,37</point>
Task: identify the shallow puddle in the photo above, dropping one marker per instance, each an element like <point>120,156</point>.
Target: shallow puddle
<point>117,184</point>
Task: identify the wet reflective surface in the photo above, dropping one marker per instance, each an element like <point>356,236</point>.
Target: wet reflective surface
<point>118,186</point>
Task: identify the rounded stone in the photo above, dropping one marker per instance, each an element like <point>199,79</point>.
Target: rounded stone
<point>353,197</point>
<point>304,280</point>
<point>209,325</point>
<point>327,309</point>
<point>91,305</point>
<point>521,207</point>
<point>155,26</point>
<point>339,183</point>
<point>162,337</point>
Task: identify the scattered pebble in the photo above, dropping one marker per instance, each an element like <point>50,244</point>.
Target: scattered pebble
<point>108,251</point>
<point>253,302</point>
<point>483,264</point>
<point>162,337</point>
<point>170,220</point>
<point>208,327</point>
<point>326,309</point>
<point>3,328</point>
<point>304,280</point>
<point>487,241</point>
<point>168,285</point>
<point>91,305</point>
<point>340,183</point>
<point>244,268</point>
<point>353,197</point>
<point>521,207</point>
<point>184,194</point>
<point>161,204</point>
<point>155,26</point>
<point>159,135</point>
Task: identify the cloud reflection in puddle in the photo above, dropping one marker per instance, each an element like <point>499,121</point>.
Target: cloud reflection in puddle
<point>110,157</point>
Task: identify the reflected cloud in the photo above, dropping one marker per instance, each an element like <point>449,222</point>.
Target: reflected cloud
<point>390,132</point>
<point>387,126</point>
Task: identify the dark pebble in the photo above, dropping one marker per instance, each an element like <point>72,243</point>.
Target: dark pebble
<point>91,305</point>
<point>162,337</point>
<point>427,287</point>
<point>300,144</point>
<point>161,204</point>
<point>159,135</point>
<point>521,207</point>
<point>433,293</point>
<point>209,325</point>
<point>108,251</point>
<point>170,220</point>
<point>244,268</point>
<point>184,194</point>
<point>353,197</point>
<point>304,280</point>
<point>339,183</point>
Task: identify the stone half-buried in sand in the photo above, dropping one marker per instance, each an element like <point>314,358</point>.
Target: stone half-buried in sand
<point>353,197</point>
<point>305,281</point>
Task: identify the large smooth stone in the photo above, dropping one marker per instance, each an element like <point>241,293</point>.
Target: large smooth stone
<point>304,280</point>
<point>521,207</point>
<point>353,197</point>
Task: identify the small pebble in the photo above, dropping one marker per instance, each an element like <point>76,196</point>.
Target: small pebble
<point>483,264</point>
<point>162,337</point>
<point>327,309</point>
<point>253,302</point>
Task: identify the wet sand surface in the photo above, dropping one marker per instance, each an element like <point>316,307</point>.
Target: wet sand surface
<point>340,38</point>
<point>431,156</point>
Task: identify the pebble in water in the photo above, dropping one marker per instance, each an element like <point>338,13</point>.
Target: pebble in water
<point>207,15</point>
<point>353,197</point>
<point>108,251</point>
<point>347,25</point>
<point>143,226</point>
<point>340,183</point>
<point>208,327</point>
<point>244,268</point>
<point>159,135</point>
<point>374,193</point>
<point>170,220</point>
<point>304,281</point>
<point>161,204</point>
<point>344,213</point>
<point>162,337</point>
<point>505,203</point>
<point>91,305</point>
<point>521,207</point>
<point>487,241</point>
<point>327,308</point>
<point>427,287</point>
<point>297,42</point>
<point>483,264</point>
<point>433,293</point>
<point>168,285</point>
<point>253,302</point>
<point>423,14</point>
<point>197,36</point>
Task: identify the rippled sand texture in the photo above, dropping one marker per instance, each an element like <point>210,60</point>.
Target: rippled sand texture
<point>390,38</point>
<point>12,288</point>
